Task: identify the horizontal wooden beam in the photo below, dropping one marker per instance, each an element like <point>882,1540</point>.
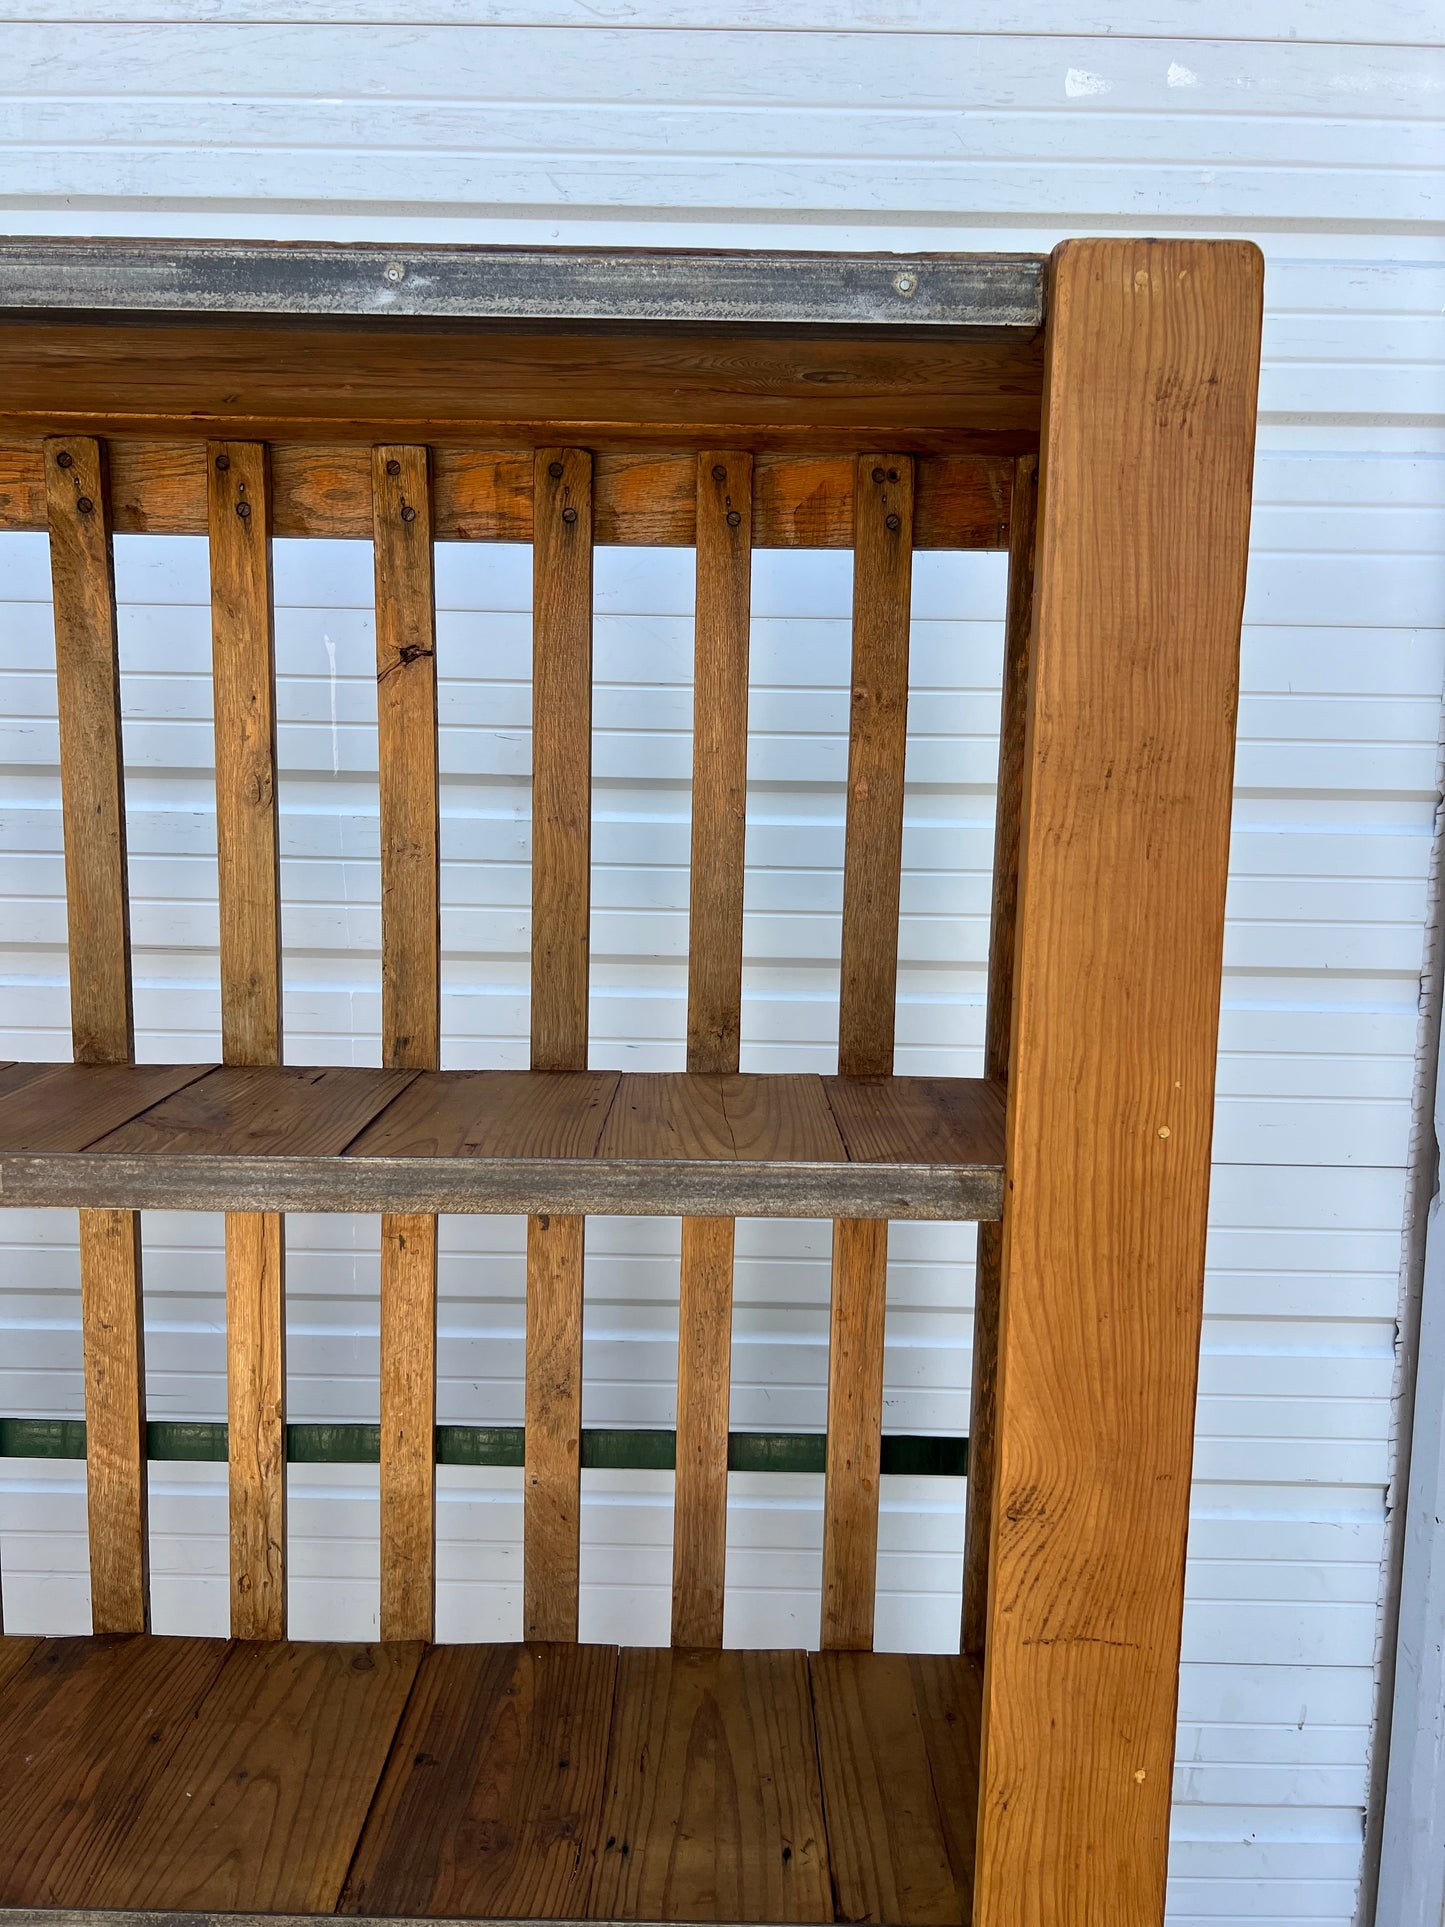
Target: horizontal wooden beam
<point>485,495</point>
<point>619,285</point>
<point>604,1449</point>
<point>447,384</point>
<point>624,1187</point>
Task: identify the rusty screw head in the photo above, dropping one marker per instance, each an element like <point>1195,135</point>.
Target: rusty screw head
<point>878,475</point>
<point>393,468</point>
<point>554,469</point>
<point>408,514</point>
<point>719,473</point>
<point>223,462</point>
<point>569,516</point>
<point>64,459</point>
<point>894,522</point>
<point>84,504</point>
<point>243,509</point>
<point>905,282</point>
<point>734,519</point>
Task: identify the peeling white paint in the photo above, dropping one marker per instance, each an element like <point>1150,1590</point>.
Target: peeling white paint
<point>1078,81</point>
<point>1181,76</point>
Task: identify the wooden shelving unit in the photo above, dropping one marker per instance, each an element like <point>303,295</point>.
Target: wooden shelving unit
<point>1093,414</point>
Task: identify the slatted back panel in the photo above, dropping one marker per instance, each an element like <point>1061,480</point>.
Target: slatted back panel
<point>562,499</point>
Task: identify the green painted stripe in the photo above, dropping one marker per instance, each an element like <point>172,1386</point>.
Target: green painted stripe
<point>172,1441</point>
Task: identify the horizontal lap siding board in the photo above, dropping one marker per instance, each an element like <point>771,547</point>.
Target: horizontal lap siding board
<point>1101,121</point>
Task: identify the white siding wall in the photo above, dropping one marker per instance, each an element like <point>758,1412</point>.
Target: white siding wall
<point>1312,126</point>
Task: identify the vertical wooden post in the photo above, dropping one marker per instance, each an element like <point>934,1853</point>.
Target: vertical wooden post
<point>1018,624</point>
<point>243,665</point>
<point>92,789</point>
<point>867,1012</point>
<point>406,703</point>
<point>1143,527</point>
<point>714,1025</point>
<point>561,926</point>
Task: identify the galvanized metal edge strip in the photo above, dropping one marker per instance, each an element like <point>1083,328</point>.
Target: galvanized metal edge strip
<point>615,1449</point>
<point>678,1187</point>
<point>526,284</point>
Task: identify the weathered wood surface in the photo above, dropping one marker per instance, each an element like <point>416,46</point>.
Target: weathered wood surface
<point>760,286</point>
<point>66,1107</point>
<point>404,382</point>
<point>491,1802</point>
<point>406,686</point>
<point>1139,586</point>
<point>218,1780</point>
<point>323,489</point>
<point>271,1138</point>
<point>713,1808</point>
<point>264,1795</point>
<point>552,1474</point>
<point>886,1841</point>
<point>855,1431</point>
<point>92,791</point>
<point>1003,924</point>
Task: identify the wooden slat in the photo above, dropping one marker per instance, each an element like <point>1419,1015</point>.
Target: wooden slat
<point>873,854</point>
<point>261,1110</point>
<point>561,910</point>
<point>872,868</point>
<point>490,1114</point>
<point>948,1693</point>
<point>243,662</point>
<point>262,1802</point>
<point>1141,549</point>
<point>85,1728</point>
<point>410,1018</point>
<point>92,789</point>
<point>886,1840</point>
<point>713,1808</point>
<point>16,1650</point>
<point>391,380</point>
<point>65,1107</point>
<point>681,1115</point>
<point>92,783</point>
<point>483,495</point>
<point>551,1518</point>
<point>918,1120</point>
<point>704,1379</point>
<point>491,1802</point>
<point>855,1431</point>
<point>248,860</point>
<point>1018,628</point>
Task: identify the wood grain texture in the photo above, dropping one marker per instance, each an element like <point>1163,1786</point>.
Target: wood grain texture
<point>407,755</point>
<point>855,1431</point>
<point>675,1114</point>
<point>489,1114</point>
<point>65,1107</point>
<point>1003,923</point>
<point>878,731</point>
<point>561,758</point>
<point>256,1421</point>
<point>92,790</point>
<point>85,1728</point>
<point>243,664</point>
<point>719,759</point>
<point>92,779</point>
<point>918,1120</point>
<point>948,1693</point>
<point>16,1650</point>
<point>491,1801</point>
<point>704,1379</point>
<point>886,1841</point>
<point>323,489</point>
<point>408,1425</point>
<point>1143,529</point>
<point>263,1799</point>
<point>399,382</point>
<point>552,1476</point>
<point>713,1807</point>
<point>116,1482</point>
<point>260,1110</point>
